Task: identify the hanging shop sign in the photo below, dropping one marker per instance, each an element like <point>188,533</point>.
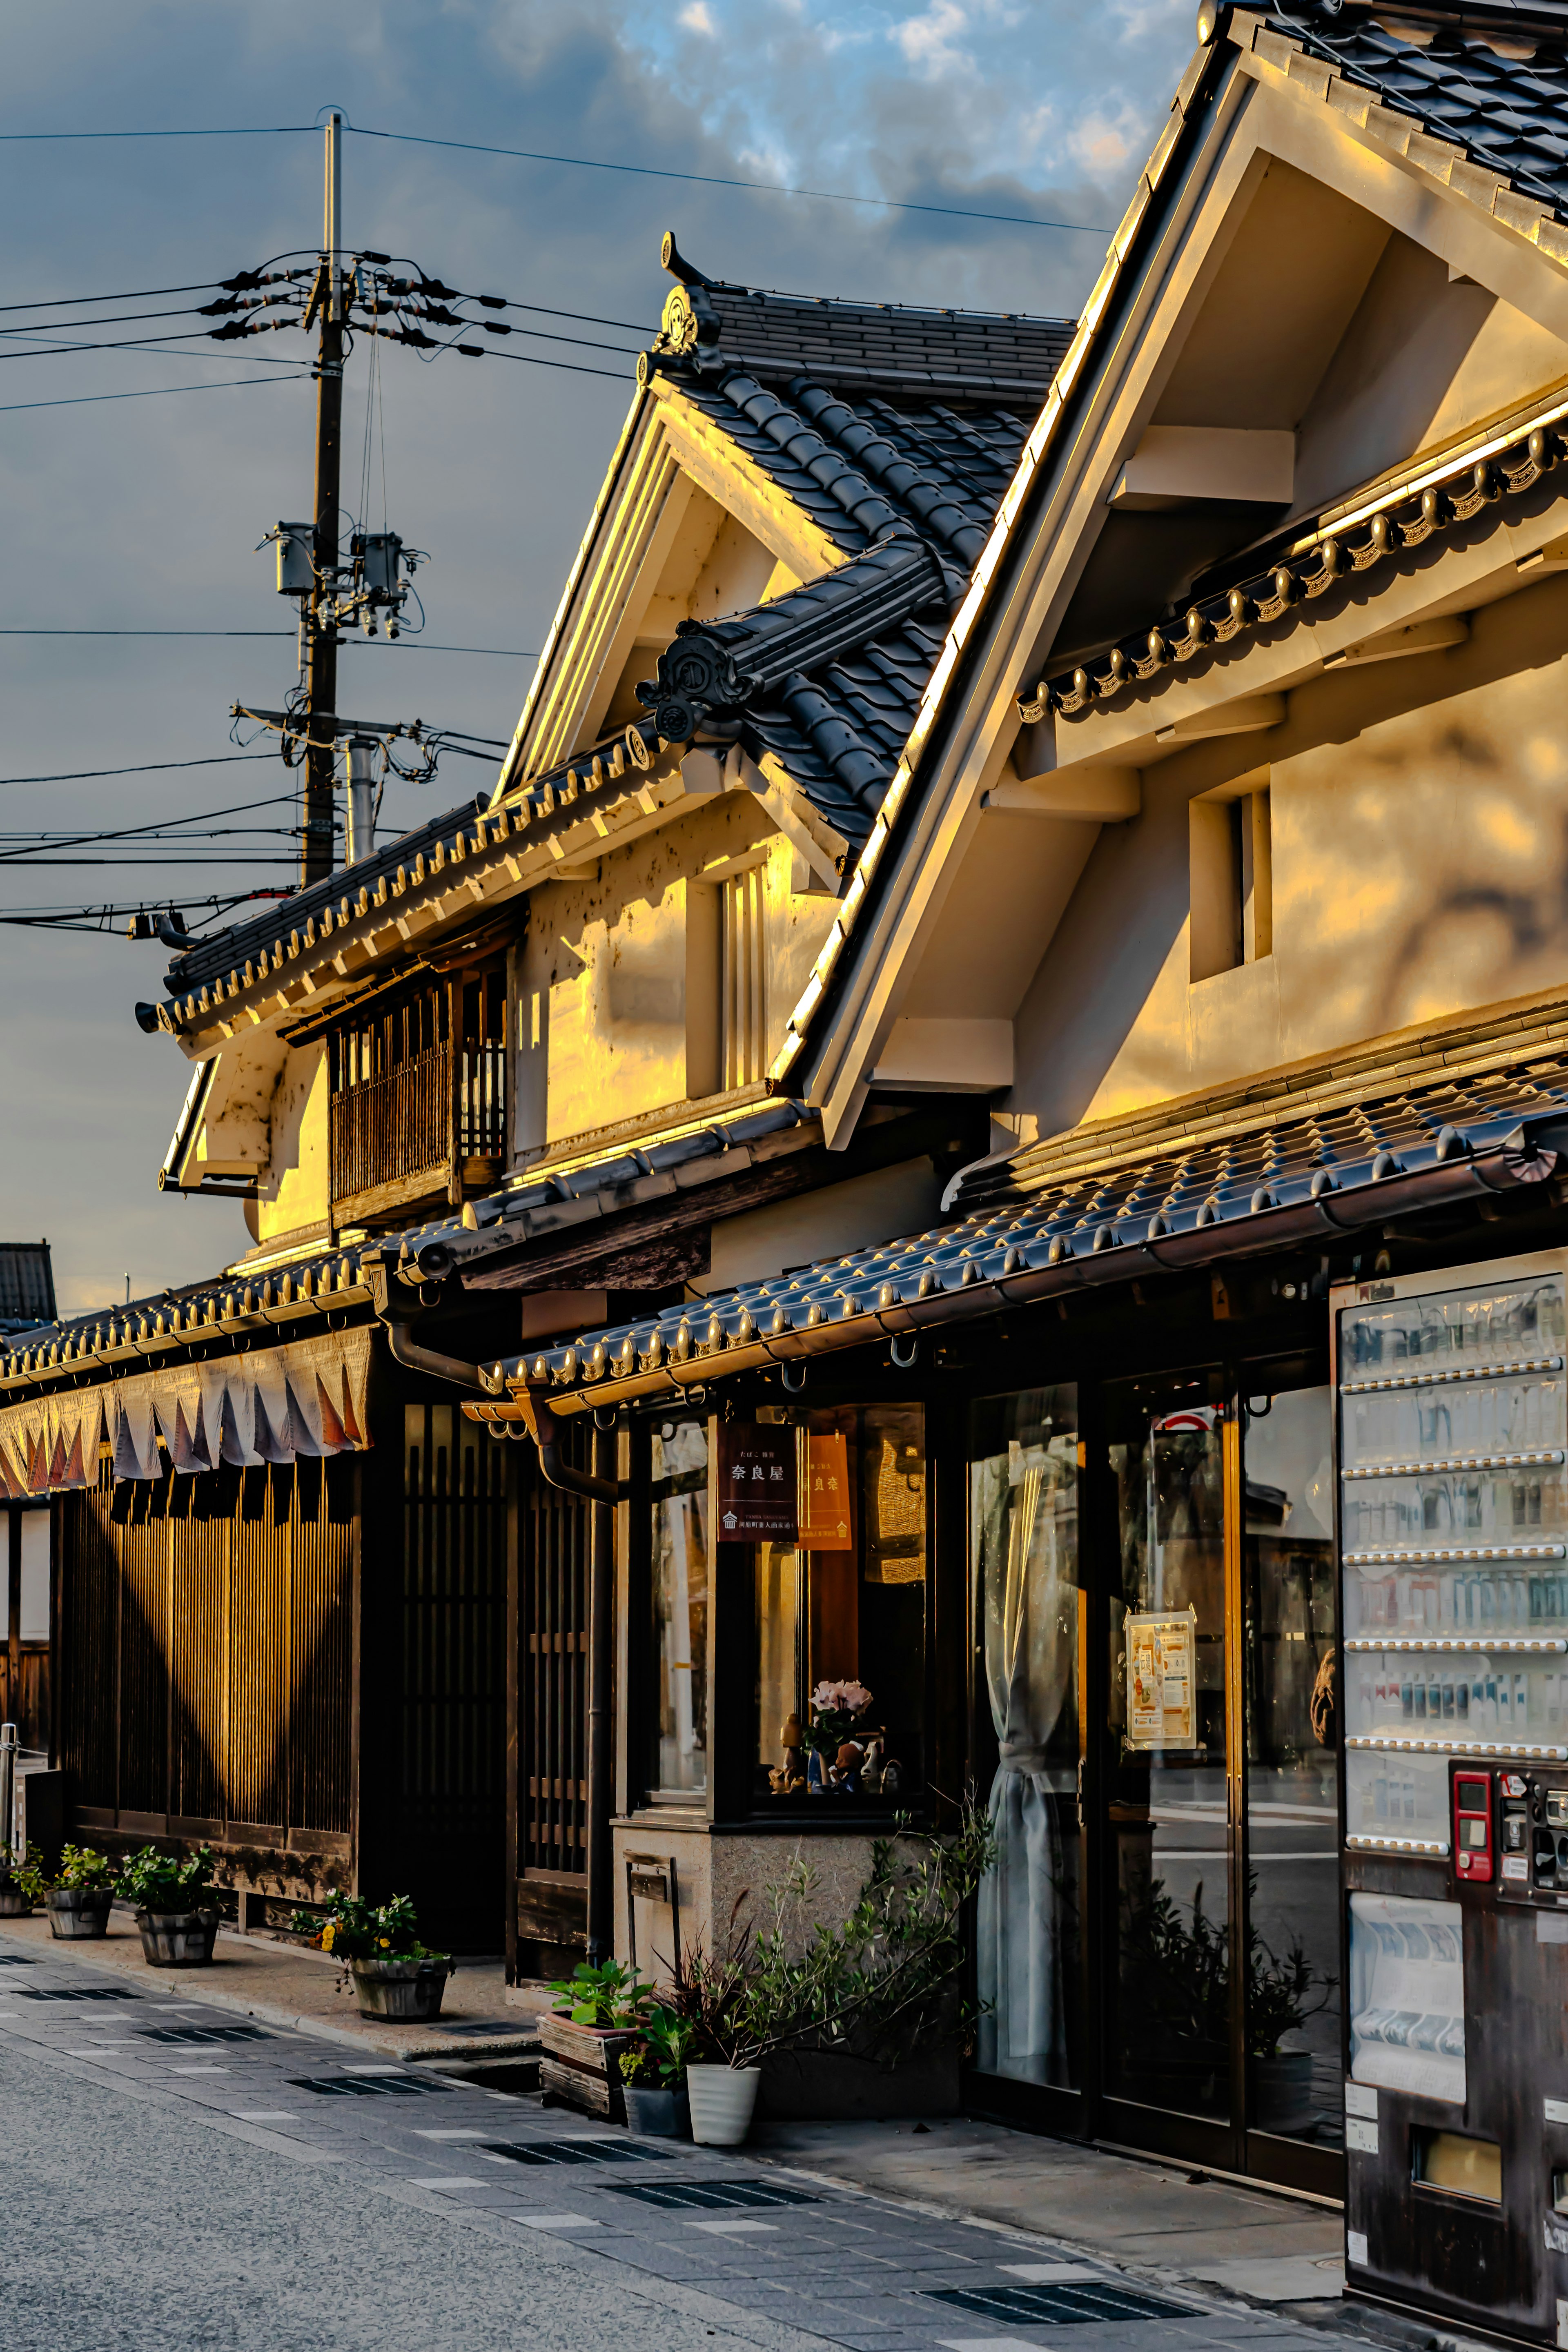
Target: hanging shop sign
<point>825,1522</point>
<point>758,1484</point>
<point>305,1401</point>
<point>1162,1681</point>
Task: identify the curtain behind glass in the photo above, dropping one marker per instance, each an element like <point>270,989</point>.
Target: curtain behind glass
<point>679,1471</point>
<point>1024,1546</point>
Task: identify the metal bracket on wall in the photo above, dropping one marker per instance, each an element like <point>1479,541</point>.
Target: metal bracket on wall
<point>652,1876</point>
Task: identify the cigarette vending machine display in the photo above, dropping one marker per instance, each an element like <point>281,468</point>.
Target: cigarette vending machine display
<point>1453,1527</point>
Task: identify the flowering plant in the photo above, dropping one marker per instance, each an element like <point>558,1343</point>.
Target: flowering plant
<point>352,1930</point>
<point>836,1708</point>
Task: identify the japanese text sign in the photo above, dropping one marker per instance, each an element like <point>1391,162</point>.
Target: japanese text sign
<point>757,1483</point>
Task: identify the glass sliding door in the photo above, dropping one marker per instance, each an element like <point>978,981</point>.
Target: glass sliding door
<point>1289,1599</point>
<point>1023,1521</point>
<point>1168,2036</point>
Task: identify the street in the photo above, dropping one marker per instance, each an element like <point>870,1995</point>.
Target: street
<point>177,2177</point>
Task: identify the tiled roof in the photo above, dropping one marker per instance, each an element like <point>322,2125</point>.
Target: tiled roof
<point>1468,107</point>
<point>245,1301</point>
<point>1481,483</point>
<point>896,430</point>
<point>1491,79</point>
<point>837,717</point>
<point>860,346</point>
<point>1298,1181</point>
<point>825,678</point>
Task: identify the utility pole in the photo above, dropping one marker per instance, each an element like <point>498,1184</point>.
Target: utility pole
<point>322,630</point>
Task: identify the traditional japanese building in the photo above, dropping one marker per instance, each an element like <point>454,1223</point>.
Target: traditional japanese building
<point>504,1077</point>
<point>1226,849</point>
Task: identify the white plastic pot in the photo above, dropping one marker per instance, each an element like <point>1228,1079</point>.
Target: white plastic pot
<point>723,2100</point>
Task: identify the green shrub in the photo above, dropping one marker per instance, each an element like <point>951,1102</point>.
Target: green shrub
<point>161,1882</point>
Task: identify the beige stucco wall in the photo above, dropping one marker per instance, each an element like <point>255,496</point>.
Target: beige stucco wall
<point>728,1874</point>
<point>295,1187</point>
<point>603,979</point>
<point>1420,869</point>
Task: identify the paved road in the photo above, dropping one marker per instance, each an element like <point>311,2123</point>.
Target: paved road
<point>174,2178</point>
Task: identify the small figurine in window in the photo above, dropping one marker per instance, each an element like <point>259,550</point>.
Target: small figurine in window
<point>788,1778</point>
<point>845,1774</point>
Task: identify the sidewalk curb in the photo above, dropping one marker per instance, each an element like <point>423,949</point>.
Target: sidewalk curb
<point>506,2045</point>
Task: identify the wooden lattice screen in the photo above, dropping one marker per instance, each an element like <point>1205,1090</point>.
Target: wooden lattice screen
<point>206,1650</point>
<point>553,1633</point>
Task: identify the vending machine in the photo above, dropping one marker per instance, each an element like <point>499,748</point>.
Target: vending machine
<point>1453,1529</point>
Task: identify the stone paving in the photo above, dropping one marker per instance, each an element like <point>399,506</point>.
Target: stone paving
<point>763,2248</point>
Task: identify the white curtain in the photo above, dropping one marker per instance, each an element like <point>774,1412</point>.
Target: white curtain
<point>1024,1522</point>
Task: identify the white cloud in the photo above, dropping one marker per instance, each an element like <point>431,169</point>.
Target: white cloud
<point>697,17</point>
<point>929,41</point>
<point>1102,142</point>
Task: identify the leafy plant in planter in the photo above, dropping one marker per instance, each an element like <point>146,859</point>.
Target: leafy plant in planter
<point>392,1973</point>
<point>162,1883</point>
<point>881,1983</point>
<point>598,2013</point>
<point>22,1880</point>
<point>606,1995</point>
<point>178,1922</point>
<point>79,1895</point>
<point>1177,1985</point>
<point>653,2076</point>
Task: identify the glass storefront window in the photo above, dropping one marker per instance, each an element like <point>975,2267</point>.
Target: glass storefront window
<point>1023,1540</point>
<point>680,1476</point>
<point>1169,2043</point>
<point>1292,1768</point>
<point>846,1606</point>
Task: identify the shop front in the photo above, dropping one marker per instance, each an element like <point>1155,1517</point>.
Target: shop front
<point>1101,1599</point>
<point>1077,1497</point>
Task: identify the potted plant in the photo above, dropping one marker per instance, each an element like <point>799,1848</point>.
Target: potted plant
<point>178,1927</point>
<point>79,1895</point>
<point>1279,2001</point>
<point>598,2013</point>
<point>392,1972</point>
<point>818,2014</point>
<point>653,2077</point>
<point>21,1881</point>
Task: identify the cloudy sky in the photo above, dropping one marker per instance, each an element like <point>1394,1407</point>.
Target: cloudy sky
<point>142,513</point>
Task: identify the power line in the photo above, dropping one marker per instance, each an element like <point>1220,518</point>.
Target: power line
<point>532,358</point>
<point>120,319</point>
<point>147,768</point>
<point>413,645</point>
<point>580,163</point>
<point>137,294</point>
<point>709,180</point>
<point>142,343</point>
<point>153,391</point>
<point>229,130</point>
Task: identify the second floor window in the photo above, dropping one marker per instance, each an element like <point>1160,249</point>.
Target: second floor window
<point>419,1091</point>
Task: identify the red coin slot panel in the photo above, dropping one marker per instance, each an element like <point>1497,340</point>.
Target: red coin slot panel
<point>1473,1827</point>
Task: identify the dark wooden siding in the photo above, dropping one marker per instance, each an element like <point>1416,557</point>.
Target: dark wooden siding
<point>551,1813</point>
<point>450,1820</point>
<point>205,1641</point>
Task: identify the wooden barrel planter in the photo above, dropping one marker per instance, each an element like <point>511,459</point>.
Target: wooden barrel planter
<point>581,2066</point>
<point>14,1904</point>
<point>79,1911</point>
<point>409,1990</point>
<point>177,1939</point>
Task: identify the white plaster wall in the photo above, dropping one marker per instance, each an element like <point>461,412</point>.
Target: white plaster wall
<point>1420,869</point>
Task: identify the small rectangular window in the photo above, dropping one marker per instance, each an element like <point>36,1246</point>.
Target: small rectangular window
<point>1231,878</point>
<point>1465,2168</point>
<point>35,1613</point>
